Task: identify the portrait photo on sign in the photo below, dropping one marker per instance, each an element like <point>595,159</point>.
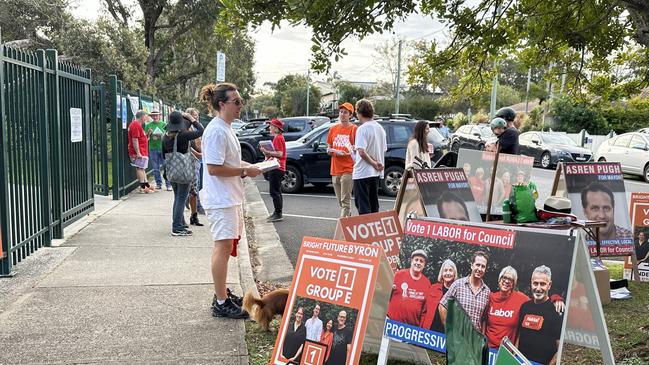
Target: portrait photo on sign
<point>597,193</point>
<point>511,170</point>
<point>522,286</point>
<point>446,194</point>
<point>330,325</point>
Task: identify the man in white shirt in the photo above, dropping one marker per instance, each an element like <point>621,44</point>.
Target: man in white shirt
<point>314,325</point>
<point>371,145</point>
<point>222,193</point>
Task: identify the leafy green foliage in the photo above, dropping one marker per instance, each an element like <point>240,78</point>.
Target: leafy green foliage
<point>347,92</point>
<point>418,107</point>
<point>294,101</point>
<point>459,120</point>
<point>572,116</point>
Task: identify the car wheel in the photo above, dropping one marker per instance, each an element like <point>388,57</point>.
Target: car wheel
<point>392,180</point>
<point>292,182</point>
<point>546,160</point>
<point>455,147</point>
<point>481,147</point>
<point>646,173</point>
<point>246,155</point>
<point>601,159</point>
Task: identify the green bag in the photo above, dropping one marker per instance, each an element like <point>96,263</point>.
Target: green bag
<point>522,203</point>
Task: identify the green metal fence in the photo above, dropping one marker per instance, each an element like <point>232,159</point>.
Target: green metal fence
<point>44,119</point>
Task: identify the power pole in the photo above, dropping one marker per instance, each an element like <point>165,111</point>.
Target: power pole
<point>308,89</point>
<point>494,85</point>
<point>527,90</point>
<point>398,84</point>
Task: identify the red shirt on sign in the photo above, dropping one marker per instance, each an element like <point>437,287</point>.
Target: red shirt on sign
<point>279,144</point>
<point>408,299</point>
<point>502,317</point>
<point>135,131</point>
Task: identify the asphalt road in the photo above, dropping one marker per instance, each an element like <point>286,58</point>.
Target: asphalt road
<point>314,211</point>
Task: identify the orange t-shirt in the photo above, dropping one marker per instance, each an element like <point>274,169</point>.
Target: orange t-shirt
<point>342,138</point>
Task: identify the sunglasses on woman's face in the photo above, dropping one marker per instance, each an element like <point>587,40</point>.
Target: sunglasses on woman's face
<point>237,102</point>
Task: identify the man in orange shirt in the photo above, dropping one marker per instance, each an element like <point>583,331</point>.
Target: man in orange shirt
<point>341,141</point>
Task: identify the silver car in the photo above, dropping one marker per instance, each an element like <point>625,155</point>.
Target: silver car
<point>631,150</point>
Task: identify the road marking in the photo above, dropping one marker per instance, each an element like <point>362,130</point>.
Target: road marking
<point>320,196</point>
<point>310,217</point>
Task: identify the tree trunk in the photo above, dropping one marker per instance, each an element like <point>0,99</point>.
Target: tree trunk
<point>151,11</point>
<point>639,13</point>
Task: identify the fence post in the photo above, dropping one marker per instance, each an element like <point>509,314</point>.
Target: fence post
<point>116,131</point>
<point>44,126</point>
<point>56,155</point>
<point>5,238</point>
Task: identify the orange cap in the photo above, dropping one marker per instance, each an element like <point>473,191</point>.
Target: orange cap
<point>347,106</point>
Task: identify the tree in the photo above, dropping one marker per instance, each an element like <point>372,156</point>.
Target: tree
<point>285,84</point>
<point>386,61</point>
<point>29,20</point>
<point>347,92</point>
<point>541,31</point>
<point>294,101</point>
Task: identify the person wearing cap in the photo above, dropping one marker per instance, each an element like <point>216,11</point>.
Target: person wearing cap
<point>178,132</point>
<point>470,291</point>
<point>507,137</point>
<point>154,130</point>
<point>371,145</point>
<point>138,149</point>
<point>410,290</point>
<point>509,115</point>
<point>276,176</point>
<point>340,140</point>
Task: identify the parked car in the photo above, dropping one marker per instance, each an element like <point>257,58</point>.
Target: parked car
<point>471,136</point>
<point>307,161</point>
<point>548,149</point>
<point>631,150</point>
<point>294,128</point>
<point>250,126</point>
<point>643,130</point>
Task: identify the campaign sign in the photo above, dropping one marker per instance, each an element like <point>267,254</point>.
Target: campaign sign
<point>330,302</point>
<point>478,168</point>
<point>596,192</point>
<point>640,223</point>
<point>408,199</point>
<point>516,283</point>
<point>446,194</point>
<point>380,229</point>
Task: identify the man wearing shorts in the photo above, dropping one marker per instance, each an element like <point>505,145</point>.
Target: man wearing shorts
<point>222,193</point>
<point>138,149</point>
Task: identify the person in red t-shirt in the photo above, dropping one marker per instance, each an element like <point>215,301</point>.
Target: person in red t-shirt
<point>505,306</point>
<point>276,176</point>
<point>138,149</point>
<point>446,276</point>
<point>410,291</point>
<point>340,140</point>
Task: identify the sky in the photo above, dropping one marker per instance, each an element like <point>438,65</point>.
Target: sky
<point>287,49</point>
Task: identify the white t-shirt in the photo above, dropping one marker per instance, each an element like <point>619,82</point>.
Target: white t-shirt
<point>370,136</point>
<point>313,329</point>
<point>220,146</point>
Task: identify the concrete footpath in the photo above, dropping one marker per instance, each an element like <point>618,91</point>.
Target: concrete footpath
<point>122,290</point>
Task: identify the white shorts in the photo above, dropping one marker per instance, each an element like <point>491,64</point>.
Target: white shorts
<point>225,223</point>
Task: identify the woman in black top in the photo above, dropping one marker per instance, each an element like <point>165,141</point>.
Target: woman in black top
<point>178,128</point>
<point>295,337</point>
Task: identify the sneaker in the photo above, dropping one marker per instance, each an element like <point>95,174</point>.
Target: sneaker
<point>228,310</point>
<point>158,187</point>
<point>169,188</point>
<point>275,217</point>
<point>183,233</point>
<point>235,298</point>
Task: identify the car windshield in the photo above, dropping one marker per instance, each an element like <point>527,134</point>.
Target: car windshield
<point>434,136</point>
<point>313,132</point>
<point>558,139</point>
<point>486,131</point>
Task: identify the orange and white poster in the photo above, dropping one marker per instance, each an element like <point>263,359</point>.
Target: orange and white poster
<point>329,304</point>
<point>380,229</point>
<point>639,209</point>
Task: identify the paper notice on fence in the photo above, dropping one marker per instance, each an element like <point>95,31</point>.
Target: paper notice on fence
<point>76,125</point>
<point>268,165</point>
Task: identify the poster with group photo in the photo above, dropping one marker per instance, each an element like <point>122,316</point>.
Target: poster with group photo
<point>640,223</point>
<point>446,194</point>
<point>596,192</point>
<point>520,287</point>
<point>478,167</point>
<point>330,303</point>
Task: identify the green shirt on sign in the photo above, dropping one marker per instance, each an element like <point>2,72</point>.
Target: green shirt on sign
<point>157,130</point>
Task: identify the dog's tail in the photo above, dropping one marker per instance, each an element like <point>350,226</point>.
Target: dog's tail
<point>252,304</point>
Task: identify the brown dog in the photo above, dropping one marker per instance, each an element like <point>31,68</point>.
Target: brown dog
<point>265,309</point>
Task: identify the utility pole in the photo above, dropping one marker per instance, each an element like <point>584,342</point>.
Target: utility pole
<point>527,90</point>
<point>398,84</point>
<point>563,79</point>
<point>308,89</point>
<point>494,93</point>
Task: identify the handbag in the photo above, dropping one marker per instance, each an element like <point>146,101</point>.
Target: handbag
<point>179,167</point>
